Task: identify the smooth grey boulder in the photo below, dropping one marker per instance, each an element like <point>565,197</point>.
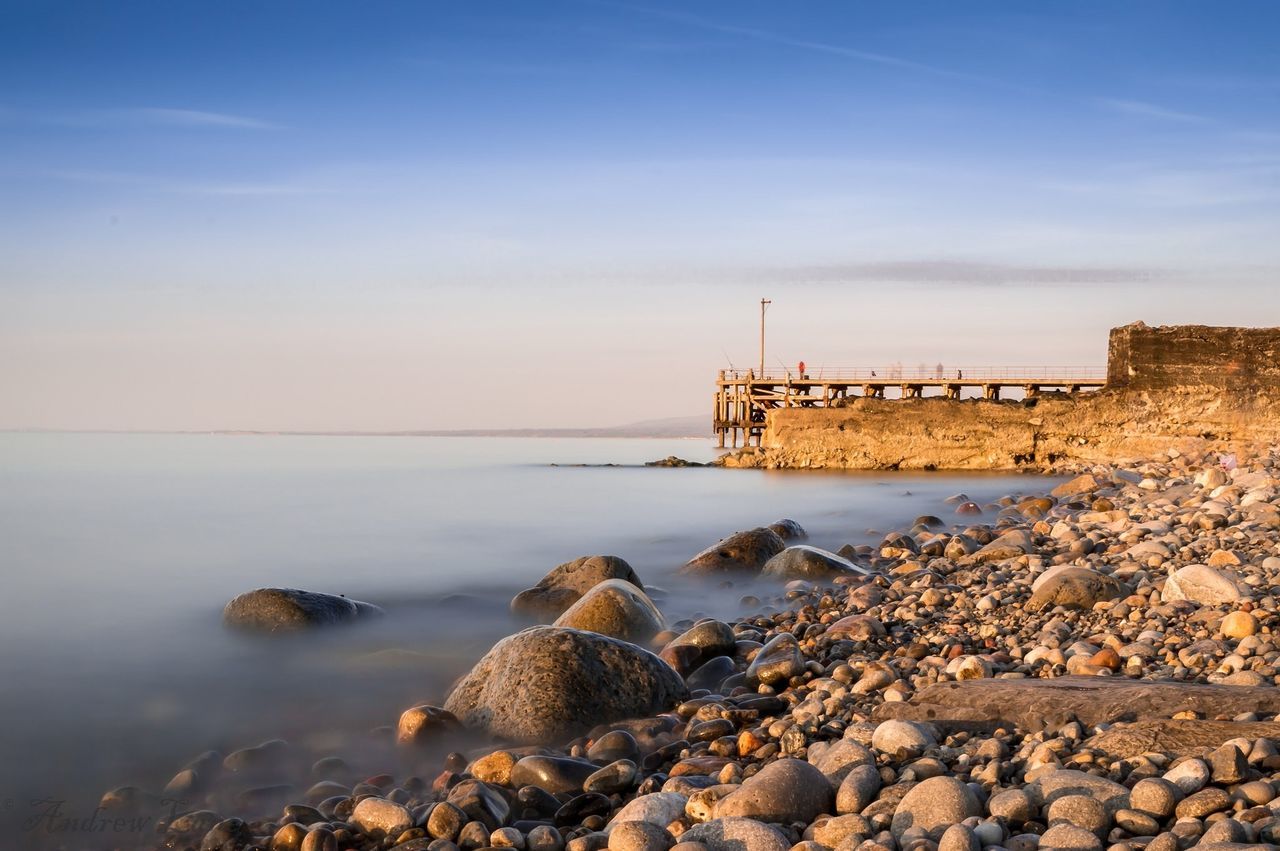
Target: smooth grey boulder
<point>288,609</point>
<point>615,608</point>
<point>564,585</point>
<point>805,562</point>
<point>784,791</point>
<point>549,684</point>
<point>742,552</point>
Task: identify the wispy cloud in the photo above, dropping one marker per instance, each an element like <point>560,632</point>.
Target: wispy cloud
<point>1142,109</point>
<point>148,116</point>
<point>965,273</point>
<point>198,118</point>
<point>828,48</point>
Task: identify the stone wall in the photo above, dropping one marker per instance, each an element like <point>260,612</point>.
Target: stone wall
<point>943,434</point>
<point>1244,360</point>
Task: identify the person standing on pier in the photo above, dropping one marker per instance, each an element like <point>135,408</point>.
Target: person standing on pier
<point>801,365</point>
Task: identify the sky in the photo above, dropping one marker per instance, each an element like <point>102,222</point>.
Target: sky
<point>422,215</point>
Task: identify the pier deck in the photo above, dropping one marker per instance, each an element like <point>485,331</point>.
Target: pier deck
<point>743,397</point>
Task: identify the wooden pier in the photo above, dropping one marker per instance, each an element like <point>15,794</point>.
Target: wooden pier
<point>744,398</point>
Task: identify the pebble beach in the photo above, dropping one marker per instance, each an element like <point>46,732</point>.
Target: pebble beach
<point>1084,669</point>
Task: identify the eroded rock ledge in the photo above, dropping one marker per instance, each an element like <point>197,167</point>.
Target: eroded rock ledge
<point>1039,434</point>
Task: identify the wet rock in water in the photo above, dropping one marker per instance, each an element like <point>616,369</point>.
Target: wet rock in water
<point>806,562</point>
<point>424,725</point>
<point>551,773</point>
<point>1200,583</point>
<point>712,674</point>
<point>698,645</point>
<point>615,608</point>
<point>933,805</point>
<point>788,530</point>
<point>787,790</point>
<point>544,685</point>
<point>777,662</point>
<point>287,609</point>
<point>565,585</point>
<point>1075,588</point>
<point>380,817</point>
<point>229,835</point>
<point>742,552</point>
<point>480,802</point>
<point>736,834</point>
<point>614,745</point>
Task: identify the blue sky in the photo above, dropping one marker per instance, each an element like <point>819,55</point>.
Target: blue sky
<point>325,215</point>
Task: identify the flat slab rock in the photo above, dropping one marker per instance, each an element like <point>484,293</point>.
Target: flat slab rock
<point>1182,737</point>
<point>1037,704</point>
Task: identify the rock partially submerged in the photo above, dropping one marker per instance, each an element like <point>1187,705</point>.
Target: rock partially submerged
<point>617,609</point>
<point>742,553</point>
<point>564,585</point>
<point>290,609</point>
<point>806,562</point>
<point>549,683</point>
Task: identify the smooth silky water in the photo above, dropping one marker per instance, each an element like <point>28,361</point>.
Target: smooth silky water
<point>119,552</point>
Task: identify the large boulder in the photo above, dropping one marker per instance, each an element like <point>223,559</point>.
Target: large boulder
<point>564,585</point>
<point>742,552</point>
<point>1200,583</point>
<point>806,562</point>
<point>548,684</point>
<point>615,608</point>
<point>784,791</point>
<point>288,609</point>
<point>1075,588</point>
<point>934,805</point>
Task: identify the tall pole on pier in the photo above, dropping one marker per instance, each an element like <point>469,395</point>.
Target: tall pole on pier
<point>763,302</point>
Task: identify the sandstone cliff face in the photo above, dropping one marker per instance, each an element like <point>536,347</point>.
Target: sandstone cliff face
<point>935,433</point>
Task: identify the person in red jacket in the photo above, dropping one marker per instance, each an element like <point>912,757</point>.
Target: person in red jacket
<point>802,375</point>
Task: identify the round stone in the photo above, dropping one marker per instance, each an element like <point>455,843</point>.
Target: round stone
<point>902,738</point>
<point>1155,795</point>
<point>933,805</point>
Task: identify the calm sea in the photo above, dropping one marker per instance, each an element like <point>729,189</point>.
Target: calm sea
<point>119,552</point>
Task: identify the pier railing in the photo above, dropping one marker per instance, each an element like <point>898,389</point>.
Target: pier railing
<point>1011,374</point>
<point>744,397</point>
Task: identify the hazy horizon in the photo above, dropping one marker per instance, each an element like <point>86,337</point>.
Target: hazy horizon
<point>334,217</point>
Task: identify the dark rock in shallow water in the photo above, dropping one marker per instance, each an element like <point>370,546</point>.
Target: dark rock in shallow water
<point>555,774</point>
<point>285,609</point>
<point>741,552</point>
<point>712,674</point>
<point>698,644</point>
<point>805,562</point>
<point>549,683</point>
<point>788,530</point>
<point>564,585</point>
<point>777,662</point>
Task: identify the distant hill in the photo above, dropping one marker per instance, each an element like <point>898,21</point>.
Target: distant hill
<point>670,427</point>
